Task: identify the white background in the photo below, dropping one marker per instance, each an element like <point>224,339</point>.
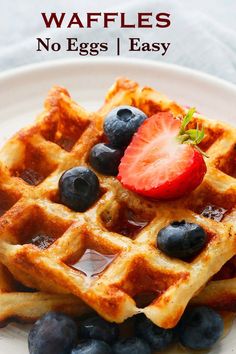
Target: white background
<point>202,34</point>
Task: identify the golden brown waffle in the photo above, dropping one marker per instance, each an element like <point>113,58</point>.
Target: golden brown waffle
<point>121,226</point>
<point>20,304</point>
<point>220,293</point>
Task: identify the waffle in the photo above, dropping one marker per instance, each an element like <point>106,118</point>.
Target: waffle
<point>21,304</point>
<point>220,293</point>
<point>43,243</point>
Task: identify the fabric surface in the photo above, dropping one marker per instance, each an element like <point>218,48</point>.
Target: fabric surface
<point>202,34</point>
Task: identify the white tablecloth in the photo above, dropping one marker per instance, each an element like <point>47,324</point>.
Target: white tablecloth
<point>202,34</point>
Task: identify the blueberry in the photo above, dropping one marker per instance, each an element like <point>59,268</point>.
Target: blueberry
<point>132,345</point>
<point>200,328</point>
<point>79,188</point>
<point>97,328</point>
<point>158,338</point>
<point>181,239</point>
<point>92,347</point>
<point>121,124</point>
<point>53,333</point>
<point>105,159</point>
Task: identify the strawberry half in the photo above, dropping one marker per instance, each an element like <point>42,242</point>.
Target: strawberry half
<point>163,160</point>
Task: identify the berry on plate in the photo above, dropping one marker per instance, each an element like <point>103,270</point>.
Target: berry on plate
<point>181,239</point>
<point>200,328</point>
<point>96,327</point>
<point>121,123</point>
<point>130,345</point>
<point>163,160</point>
<point>53,333</point>
<point>92,347</point>
<point>158,338</point>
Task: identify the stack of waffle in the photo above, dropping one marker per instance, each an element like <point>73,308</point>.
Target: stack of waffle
<point>105,259</point>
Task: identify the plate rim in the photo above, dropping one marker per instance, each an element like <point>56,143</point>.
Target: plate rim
<point>19,72</point>
<point>63,62</point>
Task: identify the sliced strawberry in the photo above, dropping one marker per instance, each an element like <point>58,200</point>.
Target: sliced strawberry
<point>156,165</point>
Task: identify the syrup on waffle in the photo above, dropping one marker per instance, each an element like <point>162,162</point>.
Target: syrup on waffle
<point>31,165</point>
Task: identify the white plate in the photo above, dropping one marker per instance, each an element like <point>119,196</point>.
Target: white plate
<point>24,90</point>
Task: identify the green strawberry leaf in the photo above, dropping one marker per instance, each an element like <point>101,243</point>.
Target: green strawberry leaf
<point>188,117</point>
<point>195,135</point>
<point>190,136</point>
